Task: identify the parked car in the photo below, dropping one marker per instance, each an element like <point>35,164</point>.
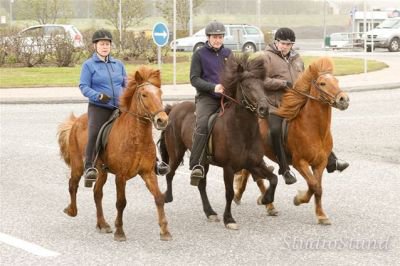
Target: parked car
<point>238,37</point>
<point>41,35</point>
<point>385,35</point>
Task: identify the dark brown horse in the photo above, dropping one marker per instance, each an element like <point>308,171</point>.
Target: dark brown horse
<point>309,142</point>
<point>236,139</point>
<point>130,150</point>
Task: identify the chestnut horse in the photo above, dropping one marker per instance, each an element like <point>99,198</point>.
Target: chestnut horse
<point>309,142</point>
<point>130,150</point>
<point>236,140</point>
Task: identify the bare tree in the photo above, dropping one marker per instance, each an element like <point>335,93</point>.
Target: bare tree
<point>42,11</point>
<point>133,12</point>
<point>182,11</point>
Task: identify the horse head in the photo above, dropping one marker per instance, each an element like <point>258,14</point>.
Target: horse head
<point>143,97</point>
<point>243,80</point>
<point>326,84</point>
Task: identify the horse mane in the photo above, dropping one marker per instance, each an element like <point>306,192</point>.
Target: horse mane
<point>240,67</point>
<point>293,101</point>
<point>147,74</point>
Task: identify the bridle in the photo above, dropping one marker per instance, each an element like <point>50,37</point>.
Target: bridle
<point>245,102</point>
<point>147,116</point>
<point>324,96</point>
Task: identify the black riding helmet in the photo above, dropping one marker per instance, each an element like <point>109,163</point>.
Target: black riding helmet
<point>101,35</point>
<point>215,27</point>
<point>285,34</point>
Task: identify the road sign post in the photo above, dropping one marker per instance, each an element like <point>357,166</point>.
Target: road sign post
<point>160,38</point>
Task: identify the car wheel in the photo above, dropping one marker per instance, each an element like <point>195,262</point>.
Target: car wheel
<point>198,46</point>
<point>394,45</point>
<point>249,48</point>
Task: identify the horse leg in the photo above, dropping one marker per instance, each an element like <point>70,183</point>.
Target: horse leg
<point>229,222</point>
<point>212,216</point>
<point>240,183</point>
<point>314,188</point>
<point>174,162</point>
<point>305,196</point>
<point>120,183</point>
<point>76,173</point>
<point>102,226</point>
<point>152,185</point>
<point>263,171</point>
<point>321,216</point>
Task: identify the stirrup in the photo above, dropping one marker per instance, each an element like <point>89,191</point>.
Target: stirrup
<point>338,165</point>
<point>290,177</point>
<point>90,176</point>
<point>162,168</point>
<point>196,175</point>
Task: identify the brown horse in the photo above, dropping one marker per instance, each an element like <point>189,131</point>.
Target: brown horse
<point>130,150</point>
<point>236,140</point>
<point>309,142</point>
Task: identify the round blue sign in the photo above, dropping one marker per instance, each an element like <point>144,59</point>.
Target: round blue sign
<point>160,34</point>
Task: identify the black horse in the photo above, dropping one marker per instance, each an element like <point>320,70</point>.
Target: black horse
<point>235,137</point>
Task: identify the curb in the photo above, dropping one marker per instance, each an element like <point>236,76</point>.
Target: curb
<point>177,97</point>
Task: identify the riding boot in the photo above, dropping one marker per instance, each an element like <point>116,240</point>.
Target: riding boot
<point>335,164</point>
<point>90,174</point>
<point>196,158</point>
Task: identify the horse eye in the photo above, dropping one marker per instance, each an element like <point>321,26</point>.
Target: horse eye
<point>322,84</point>
<point>144,95</point>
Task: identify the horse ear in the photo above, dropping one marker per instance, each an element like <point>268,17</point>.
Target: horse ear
<point>138,78</point>
<point>157,73</point>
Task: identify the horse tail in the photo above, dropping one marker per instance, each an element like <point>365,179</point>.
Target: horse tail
<point>163,147</point>
<point>63,133</point>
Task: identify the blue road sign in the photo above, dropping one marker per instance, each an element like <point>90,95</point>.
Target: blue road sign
<point>160,34</point>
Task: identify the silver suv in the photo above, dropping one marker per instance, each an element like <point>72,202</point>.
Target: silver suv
<point>238,37</point>
<point>385,35</point>
<point>44,33</point>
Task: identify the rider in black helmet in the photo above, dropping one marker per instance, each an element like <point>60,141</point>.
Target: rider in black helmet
<point>284,65</point>
<point>207,63</point>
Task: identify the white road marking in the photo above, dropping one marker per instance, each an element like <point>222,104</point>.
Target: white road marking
<point>30,247</point>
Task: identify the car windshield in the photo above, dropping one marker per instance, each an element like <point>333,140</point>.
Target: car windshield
<point>389,24</point>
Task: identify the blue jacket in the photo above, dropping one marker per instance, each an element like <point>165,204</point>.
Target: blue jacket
<point>207,65</point>
<point>99,77</point>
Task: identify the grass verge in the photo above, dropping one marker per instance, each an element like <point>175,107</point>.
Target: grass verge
<point>69,76</point>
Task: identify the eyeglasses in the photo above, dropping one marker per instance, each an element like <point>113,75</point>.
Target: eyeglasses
<point>285,43</point>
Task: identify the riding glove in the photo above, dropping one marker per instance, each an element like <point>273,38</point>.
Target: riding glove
<point>104,98</point>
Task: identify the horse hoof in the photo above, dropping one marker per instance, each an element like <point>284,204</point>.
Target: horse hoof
<point>119,238</point>
<point>237,200</point>
<point>70,212</point>
<point>166,237</point>
<point>104,229</point>
<point>296,202</point>
<point>168,199</point>
<point>272,212</point>
<point>324,221</point>
<point>232,226</point>
<point>213,218</point>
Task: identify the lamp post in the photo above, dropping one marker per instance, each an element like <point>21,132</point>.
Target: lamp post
<point>120,24</point>
<point>11,2</point>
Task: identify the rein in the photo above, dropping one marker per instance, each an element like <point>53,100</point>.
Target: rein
<point>246,103</point>
<point>325,97</point>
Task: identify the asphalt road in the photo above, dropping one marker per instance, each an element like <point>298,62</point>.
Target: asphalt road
<point>362,202</point>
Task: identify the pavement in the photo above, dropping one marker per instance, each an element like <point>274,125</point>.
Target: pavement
<point>388,78</point>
